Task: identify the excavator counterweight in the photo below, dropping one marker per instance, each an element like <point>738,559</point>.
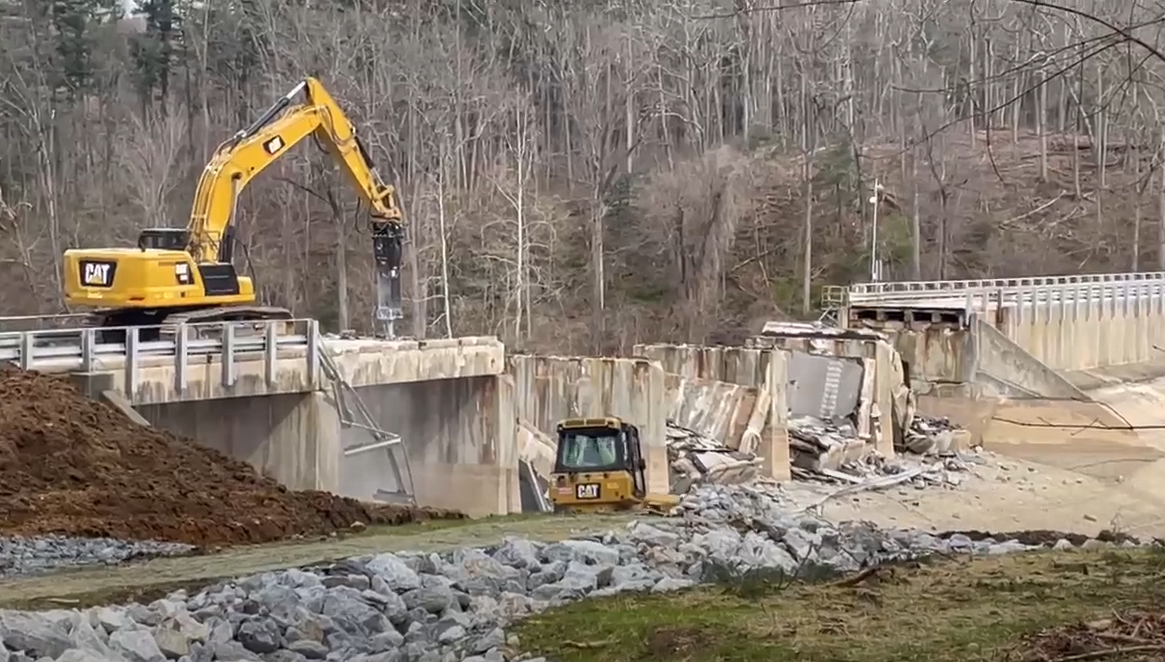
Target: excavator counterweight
<point>176,275</point>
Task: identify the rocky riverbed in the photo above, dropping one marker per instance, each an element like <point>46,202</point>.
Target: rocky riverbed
<point>430,607</point>
<point>35,555</point>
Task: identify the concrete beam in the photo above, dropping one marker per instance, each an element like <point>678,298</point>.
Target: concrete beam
<point>361,362</point>
<point>371,363</point>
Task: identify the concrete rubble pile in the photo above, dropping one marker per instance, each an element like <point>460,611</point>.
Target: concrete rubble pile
<point>928,435</point>
<point>817,444</point>
<point>430,607</point>
<point>696,458</point>
<point>825,450</point>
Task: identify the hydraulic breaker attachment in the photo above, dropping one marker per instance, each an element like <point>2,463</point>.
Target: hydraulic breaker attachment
<point>388,251</point>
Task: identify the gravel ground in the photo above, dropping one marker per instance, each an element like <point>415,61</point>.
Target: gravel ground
<point>30,556</point>
<point>444,607</point>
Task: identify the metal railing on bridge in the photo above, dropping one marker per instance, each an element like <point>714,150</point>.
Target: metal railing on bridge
<point>1031,289</point>
<point>182,346</point>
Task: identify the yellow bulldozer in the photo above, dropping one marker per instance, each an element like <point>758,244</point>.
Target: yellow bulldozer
<point>599,467</point>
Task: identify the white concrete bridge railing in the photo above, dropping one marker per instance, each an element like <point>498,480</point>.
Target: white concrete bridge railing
<point>984,294</point>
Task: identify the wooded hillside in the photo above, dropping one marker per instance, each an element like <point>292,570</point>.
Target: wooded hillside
<point>586,174</point>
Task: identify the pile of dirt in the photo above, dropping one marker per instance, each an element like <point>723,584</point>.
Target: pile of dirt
<point>1129,636</point>
<point>75,466</point>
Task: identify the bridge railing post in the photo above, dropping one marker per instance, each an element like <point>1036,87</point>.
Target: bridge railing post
<point>271,352</point>
<point>88,342</point>
<point>27,344</point>
<point>132,367</point>
<point>228,354</point>
<point>313,354</point>
<point>181,358</point>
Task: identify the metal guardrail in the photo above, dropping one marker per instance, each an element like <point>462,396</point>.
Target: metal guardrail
<point>1028,289</point>
<point>40,322</point>
<point>186,345</point>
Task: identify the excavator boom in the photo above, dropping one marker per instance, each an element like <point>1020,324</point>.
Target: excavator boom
<point>284,125</point>
<point>190,270</point>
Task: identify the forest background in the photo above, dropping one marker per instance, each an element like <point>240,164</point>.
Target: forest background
<point>581,175</point>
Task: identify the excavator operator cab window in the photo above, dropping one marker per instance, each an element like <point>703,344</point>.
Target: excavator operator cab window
<point>165,239</point>
<point>590,449</point>
<point>178,239</point>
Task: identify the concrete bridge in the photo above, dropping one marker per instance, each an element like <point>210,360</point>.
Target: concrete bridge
<point>310,411</point>
<point>455,422</point>
<point>1021,358</point>
<point>1018,335</point>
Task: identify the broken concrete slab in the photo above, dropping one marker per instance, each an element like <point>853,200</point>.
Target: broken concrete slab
<point>732,414</point>
<point>696,458</point>
<point>818,444</point>
<point>928,435</point>
<point>536,447</point>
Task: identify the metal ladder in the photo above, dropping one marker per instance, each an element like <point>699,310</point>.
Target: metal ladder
<point>355,415</point>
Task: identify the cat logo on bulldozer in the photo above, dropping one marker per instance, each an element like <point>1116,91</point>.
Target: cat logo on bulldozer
<point>587,491</point>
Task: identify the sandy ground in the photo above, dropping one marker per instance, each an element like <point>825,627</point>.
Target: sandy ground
<point>1005,494</point>
<point>1048,465</point>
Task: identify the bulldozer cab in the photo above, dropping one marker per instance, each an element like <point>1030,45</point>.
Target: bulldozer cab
<point>599,461</point>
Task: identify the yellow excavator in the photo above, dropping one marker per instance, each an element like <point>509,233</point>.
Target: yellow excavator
<point>599,467</point>
<point>186,274</point>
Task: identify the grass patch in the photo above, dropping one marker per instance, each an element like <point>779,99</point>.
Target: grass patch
<point>957,609</point>
<point>426,526</point>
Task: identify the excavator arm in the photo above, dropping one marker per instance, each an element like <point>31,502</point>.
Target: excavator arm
<point>246,154</point>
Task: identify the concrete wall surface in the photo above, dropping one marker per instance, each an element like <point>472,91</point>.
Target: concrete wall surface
<point>826,387</point>
<point>548,389</point>
<point>733,414</point>
<point>155,380</point>
<point>458,434</point>
<point>460,438</point>
<point>537,448</point>
<point>844,363</point>
<point>935,354</point>
<point>366,363</point>
<point>362,362</point>
<point>765,369</point>
<point>1009,368</point>
<point>293,438</point>
<point>1087,331</point>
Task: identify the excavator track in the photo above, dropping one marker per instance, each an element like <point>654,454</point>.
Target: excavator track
<point>160,323</point>
<point>228,314</point>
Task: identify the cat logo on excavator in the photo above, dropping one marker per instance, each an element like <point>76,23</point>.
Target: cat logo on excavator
<point>599,466</point>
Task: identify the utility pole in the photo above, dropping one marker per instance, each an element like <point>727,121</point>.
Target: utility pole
<point>875,265</point>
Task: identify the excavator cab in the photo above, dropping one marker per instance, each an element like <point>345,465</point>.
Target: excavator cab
<point>599,466</point>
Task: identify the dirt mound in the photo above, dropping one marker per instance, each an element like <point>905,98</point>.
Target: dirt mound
<point>1129,636</point>
<point>71,465</point>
